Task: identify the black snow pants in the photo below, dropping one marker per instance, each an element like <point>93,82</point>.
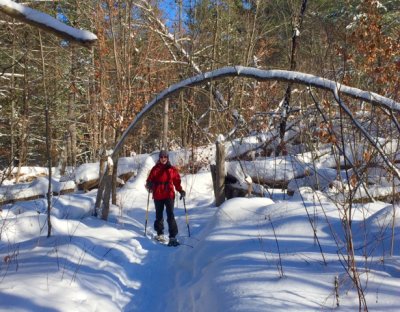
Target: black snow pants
<point>159,222</point>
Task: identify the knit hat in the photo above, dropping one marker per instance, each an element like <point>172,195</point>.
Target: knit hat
<point>163,153</point>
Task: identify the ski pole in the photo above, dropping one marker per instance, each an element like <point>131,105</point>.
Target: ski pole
<point>187,218</point>
<point>147,213</point>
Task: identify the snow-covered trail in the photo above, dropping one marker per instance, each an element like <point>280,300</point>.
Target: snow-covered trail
<point>171,278</point>
<point>248,254</point>
<point>161,267</point>
<point>159,270</point>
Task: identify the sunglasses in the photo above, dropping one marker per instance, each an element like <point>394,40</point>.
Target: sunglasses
<point>161,157</point>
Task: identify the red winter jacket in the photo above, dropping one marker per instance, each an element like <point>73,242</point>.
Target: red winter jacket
<point>162,180</point>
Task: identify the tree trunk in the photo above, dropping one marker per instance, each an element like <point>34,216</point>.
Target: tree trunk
<point>63,156</point>
<point>72,153</point>
<point>48,138</point>
<point>13,121</point>
<point>24,119</point>
<point>164,141</point>
<point>114,182</point>
<point>286,101</point>
<point>93,106</point>
<point>107,190</point>
<point>219,183</point>
<point>249,51</point>
<point>102,169</point>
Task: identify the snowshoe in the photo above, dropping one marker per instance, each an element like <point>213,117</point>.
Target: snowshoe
<point>160,238</point>
<point>173,242</point>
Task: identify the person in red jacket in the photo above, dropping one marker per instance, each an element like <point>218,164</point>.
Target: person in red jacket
<point>162,182</point>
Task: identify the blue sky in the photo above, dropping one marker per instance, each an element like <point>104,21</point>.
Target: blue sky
<point>170,7</point>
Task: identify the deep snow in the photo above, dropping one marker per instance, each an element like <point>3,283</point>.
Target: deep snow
<point>250,254</point>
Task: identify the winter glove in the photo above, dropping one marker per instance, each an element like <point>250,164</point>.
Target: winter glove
<point>149,185</point>
<point>183,194</point>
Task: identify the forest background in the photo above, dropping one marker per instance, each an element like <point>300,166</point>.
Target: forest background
<point>89,96</point>
<point>64,105</point>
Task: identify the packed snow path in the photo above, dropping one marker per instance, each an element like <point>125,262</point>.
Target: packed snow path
<point>162,264</point>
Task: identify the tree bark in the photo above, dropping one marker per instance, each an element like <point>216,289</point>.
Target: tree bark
<point>107,194</point>
<point>13,121</point>
<point>48,138</point>
<point>108,188</point>
<point>72,138</point>
<point>164,141</point>
<point>24,119</point>
<point>219,187</point>
<point>102,171</point>
<point>286,101</point>
<point>114,183</point>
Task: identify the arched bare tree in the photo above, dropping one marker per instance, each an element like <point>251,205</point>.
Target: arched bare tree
<point>336,88</point>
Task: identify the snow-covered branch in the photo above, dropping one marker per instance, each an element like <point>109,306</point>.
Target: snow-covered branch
<point>47,23</point>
